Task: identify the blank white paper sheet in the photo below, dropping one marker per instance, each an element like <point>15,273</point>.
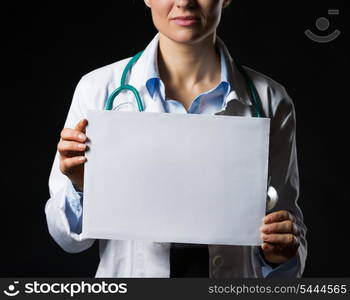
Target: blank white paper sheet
<point>185,178</point>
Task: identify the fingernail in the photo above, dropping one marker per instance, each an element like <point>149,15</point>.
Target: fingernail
<point>82,158</point>
<point>81,137</point>
<point>81,146</point>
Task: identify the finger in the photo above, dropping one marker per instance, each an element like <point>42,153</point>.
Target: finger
<point>283,239</point>
<point>267,247</point>
<point>73,135</point>
<point>278,216</point>
<point>68,164</point>
<point>280,227</point>
<point>69,148</point>
<point>81,126</point>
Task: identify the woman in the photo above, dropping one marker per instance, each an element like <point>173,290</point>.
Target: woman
<point>185,69</point>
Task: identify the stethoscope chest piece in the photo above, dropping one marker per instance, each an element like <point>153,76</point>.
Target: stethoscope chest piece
<point>272,198</point>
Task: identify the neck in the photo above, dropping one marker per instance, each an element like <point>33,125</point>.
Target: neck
<point>188,65</point>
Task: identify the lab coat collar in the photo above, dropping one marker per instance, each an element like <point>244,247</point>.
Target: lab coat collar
<point>153,80</point>
<point>239,89</point>
<point>144,67</point>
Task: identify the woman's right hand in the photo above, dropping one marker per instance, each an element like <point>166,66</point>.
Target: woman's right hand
<point>71,148</point>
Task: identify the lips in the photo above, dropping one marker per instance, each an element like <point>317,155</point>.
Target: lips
<point>185,20</point>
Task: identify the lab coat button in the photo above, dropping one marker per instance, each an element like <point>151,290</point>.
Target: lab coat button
<point>218,260</point>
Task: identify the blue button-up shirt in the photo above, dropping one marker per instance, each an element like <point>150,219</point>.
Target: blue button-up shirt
<point>208,102</point>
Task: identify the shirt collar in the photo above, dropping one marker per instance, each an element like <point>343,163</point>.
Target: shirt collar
<point>146,72</point>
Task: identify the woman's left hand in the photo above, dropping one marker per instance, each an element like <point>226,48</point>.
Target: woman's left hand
<point>280,237</point>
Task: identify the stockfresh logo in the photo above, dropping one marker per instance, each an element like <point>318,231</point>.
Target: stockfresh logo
<point>12,290</point>
<point>71,288</point>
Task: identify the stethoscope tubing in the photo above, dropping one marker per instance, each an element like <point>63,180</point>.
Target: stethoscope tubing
<point>123,86</point>
<point>253,93</point>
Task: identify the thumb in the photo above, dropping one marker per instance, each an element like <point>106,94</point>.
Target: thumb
<point>81,125</point>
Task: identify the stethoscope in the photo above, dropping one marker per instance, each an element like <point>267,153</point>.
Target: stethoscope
<point>272,196</point>
<point>253,94</point>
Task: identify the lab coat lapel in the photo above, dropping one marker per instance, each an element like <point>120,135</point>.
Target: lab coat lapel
<point>150,104</point>
<point>138,79</point>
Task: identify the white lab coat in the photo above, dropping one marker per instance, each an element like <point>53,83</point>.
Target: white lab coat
<point>134,258</point>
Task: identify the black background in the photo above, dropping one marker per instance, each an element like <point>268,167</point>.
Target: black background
<point>47,48</point>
